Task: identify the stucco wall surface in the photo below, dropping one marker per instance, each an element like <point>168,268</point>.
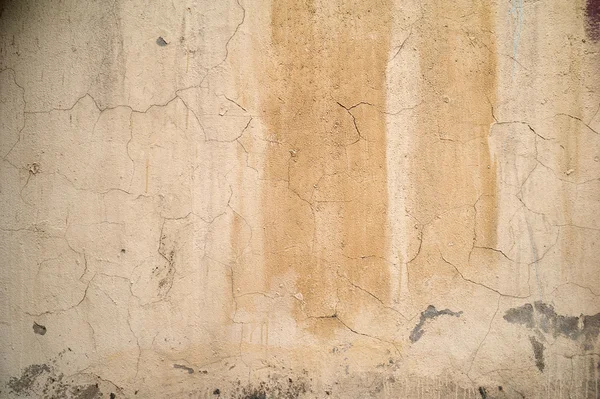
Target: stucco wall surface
<point>300,199</point>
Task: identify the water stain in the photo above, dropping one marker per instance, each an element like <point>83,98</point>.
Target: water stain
<point>450,164</point>
<point>430,313</point>
<point>542,317</point>
<point>327,213</point>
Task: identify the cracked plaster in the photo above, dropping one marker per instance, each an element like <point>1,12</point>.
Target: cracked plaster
<point>255,199</point>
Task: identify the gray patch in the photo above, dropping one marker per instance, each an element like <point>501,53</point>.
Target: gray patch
<point>43,381</point>
<point>538,353</point>
<point>522,315</point>
<point>285,389</point>
<point>543,317</point>
<point>181,366</point>
<point>161,42</point>
<point>24,383</point>
<point>89,392</point>
<point>39,329</point>
<point>430,313</point>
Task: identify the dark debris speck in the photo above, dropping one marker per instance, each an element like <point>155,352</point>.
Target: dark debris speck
<point>39,329</point>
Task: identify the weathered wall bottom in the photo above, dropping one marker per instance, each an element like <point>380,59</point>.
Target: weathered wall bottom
<point>43,381</point>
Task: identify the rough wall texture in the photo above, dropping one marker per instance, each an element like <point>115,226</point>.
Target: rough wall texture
<point>300,199</point>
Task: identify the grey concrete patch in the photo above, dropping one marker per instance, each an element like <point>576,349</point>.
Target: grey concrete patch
<point>430,313</point>
<point>538,353</point>
<point>542,317</point>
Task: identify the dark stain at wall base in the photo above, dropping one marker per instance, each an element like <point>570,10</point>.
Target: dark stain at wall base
<point>538,353</point>
<point>284,389</point>
<point>542,317</point>
<point>87,392</point>
<point>45,381</point>
<point>592,13</point>
<point>24,383</point>
<point>39,380</point>
<point>430,313</point>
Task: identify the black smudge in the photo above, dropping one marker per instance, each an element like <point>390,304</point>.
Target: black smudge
<point>39,329</point>
<point>186,368</point>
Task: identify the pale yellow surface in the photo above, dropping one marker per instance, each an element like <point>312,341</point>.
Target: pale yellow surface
<point>299,199</point>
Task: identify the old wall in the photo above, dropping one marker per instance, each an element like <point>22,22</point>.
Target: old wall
<point>300,199</point>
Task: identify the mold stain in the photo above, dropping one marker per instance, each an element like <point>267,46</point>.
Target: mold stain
<point>322,94</point>
<point>592,13</point>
